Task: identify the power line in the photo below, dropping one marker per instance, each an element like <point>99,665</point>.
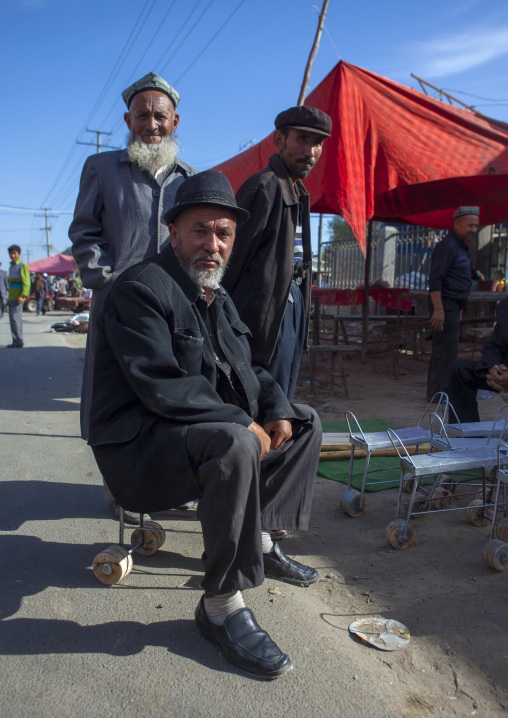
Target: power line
<point>148,46</point>
<point>26,209</point>
<point>187,35</point>
<point>177,34</point>
<point>210,41</point>
<point>98,102</point>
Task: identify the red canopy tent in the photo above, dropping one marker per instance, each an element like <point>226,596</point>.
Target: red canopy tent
<point>396,155</point>
<point>59,264</point>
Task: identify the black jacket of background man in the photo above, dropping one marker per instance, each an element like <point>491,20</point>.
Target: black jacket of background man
<point>450,269</point>
<point>155,373</point>
<point>261,265</point>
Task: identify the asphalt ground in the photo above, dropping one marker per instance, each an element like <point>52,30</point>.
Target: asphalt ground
<point>71,646</point>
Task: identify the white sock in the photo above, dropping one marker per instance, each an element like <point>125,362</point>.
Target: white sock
<point>218,608</point>
<point>266,541</point>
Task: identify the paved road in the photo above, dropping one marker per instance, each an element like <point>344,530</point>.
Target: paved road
<point>70,646</point>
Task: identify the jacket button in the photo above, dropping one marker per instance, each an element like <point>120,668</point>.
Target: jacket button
<point>156,193</point>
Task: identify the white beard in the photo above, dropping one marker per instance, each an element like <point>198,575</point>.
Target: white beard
<point>151,158</point>
<point>203,278</point>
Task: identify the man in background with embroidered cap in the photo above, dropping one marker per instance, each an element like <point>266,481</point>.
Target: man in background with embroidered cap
<point>269,273</point>
<point>123,195</point>
<point>450,282</point>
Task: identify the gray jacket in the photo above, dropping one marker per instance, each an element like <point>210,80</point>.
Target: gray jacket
<point>118,220</point>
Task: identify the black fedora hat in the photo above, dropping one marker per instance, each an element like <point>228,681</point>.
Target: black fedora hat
<point>209,187</point>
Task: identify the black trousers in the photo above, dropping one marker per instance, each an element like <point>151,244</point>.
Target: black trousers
<point>445,347</point>
<point>462,387</point>
<point>241,495</point>
<point>287,357</point>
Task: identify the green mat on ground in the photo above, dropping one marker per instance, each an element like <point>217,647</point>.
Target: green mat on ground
<point>388,467</point>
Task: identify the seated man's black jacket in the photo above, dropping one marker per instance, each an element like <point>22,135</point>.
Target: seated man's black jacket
<point>154,365</point>
<point>495,349</point>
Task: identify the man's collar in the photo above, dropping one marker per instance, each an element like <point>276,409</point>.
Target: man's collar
<point>289,191</point>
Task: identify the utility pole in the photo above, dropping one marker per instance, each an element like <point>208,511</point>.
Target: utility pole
<point>313,53</point>
<point>98,145</point>
<point>47,229</point>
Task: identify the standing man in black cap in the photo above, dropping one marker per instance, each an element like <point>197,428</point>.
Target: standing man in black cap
<point>122,198</point>
<point>450,282</point>
<point>178,413</point>
<point>269,274</point>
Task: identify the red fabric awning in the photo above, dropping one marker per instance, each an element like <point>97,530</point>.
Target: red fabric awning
<point>396,155</point>
<point>59,264</point>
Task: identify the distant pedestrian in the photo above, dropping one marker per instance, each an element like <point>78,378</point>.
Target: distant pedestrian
<point>40,288</point>
<point>4,290</point>
<point>77,284</point>
<point>19,289</point>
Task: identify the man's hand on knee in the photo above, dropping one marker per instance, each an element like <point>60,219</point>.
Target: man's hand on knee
<point>279,432</point>
<point>262,436</point>
<point>497,377</point>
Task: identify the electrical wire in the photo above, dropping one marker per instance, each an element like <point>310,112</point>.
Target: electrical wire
<point>210,41</point>
<point>186,36</point>
<point>102,95</point>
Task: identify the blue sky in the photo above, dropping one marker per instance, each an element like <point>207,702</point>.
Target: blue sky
<point>65,63</point>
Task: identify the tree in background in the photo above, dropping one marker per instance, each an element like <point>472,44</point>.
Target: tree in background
<point>340,231</point>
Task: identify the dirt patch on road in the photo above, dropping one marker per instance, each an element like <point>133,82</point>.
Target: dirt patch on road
<point>453,604</point>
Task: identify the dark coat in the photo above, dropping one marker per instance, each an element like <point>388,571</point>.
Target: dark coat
<point>155,373</point>
<point>495,349</point>
<point>450,268</point>
<point>261,265</point>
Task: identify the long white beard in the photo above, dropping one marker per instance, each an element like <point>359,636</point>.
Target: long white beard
<point>152,157</point>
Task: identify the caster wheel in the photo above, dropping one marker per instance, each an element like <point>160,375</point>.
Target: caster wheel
<point>153,537</point>
<point>441,499</point>
<point>502,530</point>
<point>407,483</point>
<point>477,516</point>
<point>421,504</point>
<point>448,483</point>
<point>495,554</point>
<point>350,503</point>
<point>392,534</point>
<point>278,535</point>
<point>112,564</point>
<point>488,496</point>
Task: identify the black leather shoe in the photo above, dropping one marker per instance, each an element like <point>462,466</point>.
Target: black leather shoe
<point>279,566</point>
<point>243,643</point>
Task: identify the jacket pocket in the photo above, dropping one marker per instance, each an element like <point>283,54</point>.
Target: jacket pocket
<point>188,349</point>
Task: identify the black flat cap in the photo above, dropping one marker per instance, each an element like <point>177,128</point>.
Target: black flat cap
<point>209,187</point>
<point>305,118</point>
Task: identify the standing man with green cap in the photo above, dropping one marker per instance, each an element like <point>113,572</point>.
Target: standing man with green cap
<point>19,289</point>
<point>123,196</point>
<point>269,273</point>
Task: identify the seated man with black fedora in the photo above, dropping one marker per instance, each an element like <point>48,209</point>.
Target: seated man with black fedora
<point>178,413</point>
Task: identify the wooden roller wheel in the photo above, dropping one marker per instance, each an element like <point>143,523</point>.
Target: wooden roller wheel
<point>495,554</point>
<point>407,483</point>
<point>502,530</point>
<point>449,483</point>
<point>392,534</point>
<point>350,503</point>
<point>421,504</point>
<point>112,564</point>
<point>488,496</point>
<point>441,499</point>
<point>476,513</point>
<point>152,535</point>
